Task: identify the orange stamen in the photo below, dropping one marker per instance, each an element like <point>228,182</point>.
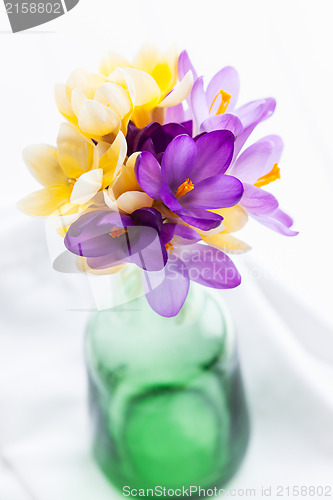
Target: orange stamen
<point>117,231</point>
<point>169,247</point>
<point>270,177</point>
<point>226,98</point>
<point>184,188</point>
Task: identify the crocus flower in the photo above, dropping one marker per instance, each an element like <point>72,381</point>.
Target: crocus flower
<point>256,167</point>
<point>191,180</point>
<point>107,238</point>
<point>72,173</point>
<point>162,69</point>
<point>214,108</point>
<point>101,105</point>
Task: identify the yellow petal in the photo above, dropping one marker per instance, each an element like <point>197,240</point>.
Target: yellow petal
<point>133,200</point>
<point>86,82</point>
<point>87,186</point>
<point>146,89</point>
<point>179,93</point>
<point>227,242</point>
<point>126,180</point>
<point>77,99</point>
<point>234,218</point>
<point>113,159</point>
<point>147,58</point>
<point>110,199</point>
<point>76,154</point>
<point>98,120</point>
<point>42,161</point>
<point>111,61</point>
<point>63,102</point>
<point>46,201</point>
<point>113,95</point>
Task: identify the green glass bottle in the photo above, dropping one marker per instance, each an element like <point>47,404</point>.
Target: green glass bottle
<point>166,394</point>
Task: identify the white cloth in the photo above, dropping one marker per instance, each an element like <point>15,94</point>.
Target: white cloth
<point>286,356</point>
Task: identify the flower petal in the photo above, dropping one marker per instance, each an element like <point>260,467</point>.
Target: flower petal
<point>222,122</point>
<point>253,162</point>
<point>185,65</point>
<point>198,102</point>
<point>234,218</point>
<point>63,102</point>
<point>113,95</point>
<point>251,114</point>
<point>227,242</point>
<point>112,160</point>
<point>220,191</point>
<point>210,267</point>
<point>98,120</point>
<point>148,174</point>
<point>75,153</point>
<point>226,79</point>
<point>256,201</point>
<point>178,161</point>
<point>279,221</point>
<point>110,61</point>
<point>46,201</point>
<point>77,99</point>
<point>133,200</point>
<point>169,199</point>
<point>179,92</point>
<point>87,185</point>
<point>146,89</point>
<point>202,219</point>
<point>166,290</point>
<point>42,161</point>
<point>215,151</point>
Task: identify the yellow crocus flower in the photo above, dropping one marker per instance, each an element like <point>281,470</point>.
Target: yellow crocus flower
<point>72,173</point>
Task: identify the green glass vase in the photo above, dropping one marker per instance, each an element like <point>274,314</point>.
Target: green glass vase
<point>166,395</point>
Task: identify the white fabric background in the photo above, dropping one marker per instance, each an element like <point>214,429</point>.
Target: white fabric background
<point>283,310</point>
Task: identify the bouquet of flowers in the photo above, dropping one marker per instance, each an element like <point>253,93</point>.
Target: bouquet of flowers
<point>151,170</point>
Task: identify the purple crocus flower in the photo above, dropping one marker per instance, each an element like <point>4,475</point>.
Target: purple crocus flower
<point>215,107</point>
<point>107,238</point>
<point>188,260</point>
<point>257,166</point>
<point>191,178</point>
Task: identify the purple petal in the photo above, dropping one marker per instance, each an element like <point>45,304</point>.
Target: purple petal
<point>188,125</point>
<point>251,114</point>
<point>279,221</point>
<point>210,267</point>
<point>178,161</point>
<point>167,232</point>
<point>226,79</point>
<point>152,256</point>
<point>254,162</point>
<point>148,174</point>
<point>201,219</point>
<point>215,151</point>
<point>175,114</point>
<point>198,102</point>
<point>186,232</point>
<point>169,199</point>
<point>166,291</point>
<point>137,138</point>
<point>256,201</point>
<point>226,121</point>
<point>220,191</point>
<point>148,217</point>
<point>163,136</point>
<point>185,65</point>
